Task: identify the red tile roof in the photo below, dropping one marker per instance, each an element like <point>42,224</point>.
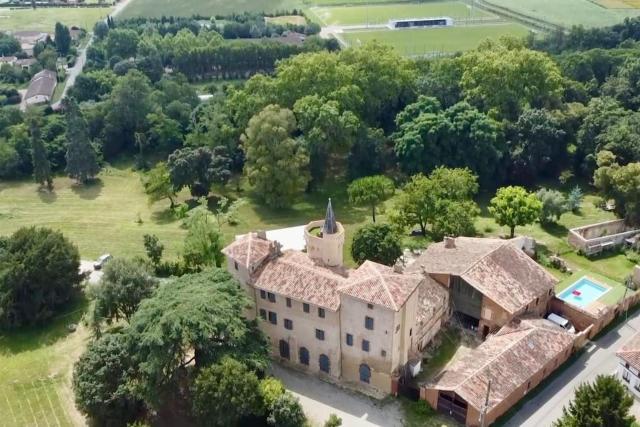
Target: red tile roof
<point>297,276</point>
<point>249,250</point>
<point>496,268</point>
<point>508,359</point>
<point>630,352</point>
<point>380,285</point>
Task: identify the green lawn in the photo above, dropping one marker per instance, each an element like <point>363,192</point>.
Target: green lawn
<point>35,373</point>
<point>45,19</point>
<point>158,8</point>
<point>380,14</point>
<point>425,41</point>
<point>568,12</point>
<point>351,2</point>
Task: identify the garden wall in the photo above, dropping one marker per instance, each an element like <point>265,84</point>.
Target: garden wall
<point>590,238</point>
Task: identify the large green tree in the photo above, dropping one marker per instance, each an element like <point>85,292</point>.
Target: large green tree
<point>82,162</point>
<point>157,184</point>
<point>39,274</point>
<point>101,381</point>
<point>203,243</point>
<point>41,166</point>
<point>371,191</point>
<point>62,39</point>
<point>276,163</point>
<point>192,321</point>
<point>199,168</point>
<point>442,202</point>
<point>226,392</point>
<point>605,402</point>
<point>376,242</point>
<point>123,285</point>
<point>620,183</point>
<point>513,206</point>
<point>554,205</point>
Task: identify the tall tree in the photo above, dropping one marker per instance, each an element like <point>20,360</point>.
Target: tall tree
<point>606,402</point>
<point>63,39</point>
<point>620,183</point>
<point>513,206</point>
<point>82,162</point>
<point>371,191</point>
<point>276,163</point>
<point>41,166</point>
<point>199,168</point>
<point>554,204</point>
<point>38,276</point>
<point>157,184</point>
<point>203,243</point>
<point>443,201</point>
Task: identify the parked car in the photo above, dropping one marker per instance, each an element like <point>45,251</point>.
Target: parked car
<point>562,322</point>
<point>101,261</point>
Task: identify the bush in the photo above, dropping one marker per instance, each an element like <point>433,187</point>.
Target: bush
<point>287,412</point>
<point>376,242</point>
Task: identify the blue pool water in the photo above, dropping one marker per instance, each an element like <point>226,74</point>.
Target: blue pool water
<point>589,292</point>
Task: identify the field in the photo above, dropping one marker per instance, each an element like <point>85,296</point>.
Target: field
<point>288,19</point>
<point>567,12</point>
<point>35,373</point>
<point>380,14</point>
<point>45,19</point>
<point>158,8</point>
<point>424,41</point>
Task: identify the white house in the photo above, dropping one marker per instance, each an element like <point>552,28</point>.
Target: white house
<point>629,365</point>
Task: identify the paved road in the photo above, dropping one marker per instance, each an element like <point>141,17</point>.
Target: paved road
<point>320,399</point>
<point>599,358</point>
<point>75,71</point>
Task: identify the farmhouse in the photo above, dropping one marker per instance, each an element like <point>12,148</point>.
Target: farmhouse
<point>505,367</point>
<point>629,365</point>
<point>490,281</point>
<point>358,326</point>
<point>41,88</point>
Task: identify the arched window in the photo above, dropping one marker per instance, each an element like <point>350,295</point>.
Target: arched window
<point>284,349</point>
<point>325,365</point>
<point>304,356</point>
<point>365,373</point>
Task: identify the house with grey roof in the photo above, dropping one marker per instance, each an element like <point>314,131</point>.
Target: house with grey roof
<point>41,88</point>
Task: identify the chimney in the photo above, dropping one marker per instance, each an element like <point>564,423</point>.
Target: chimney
<point>397,268</point>
<point>262,234</point>
<point>449,242</point>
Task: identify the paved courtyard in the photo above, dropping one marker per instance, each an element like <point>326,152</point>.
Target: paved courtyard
<point>320,399</point>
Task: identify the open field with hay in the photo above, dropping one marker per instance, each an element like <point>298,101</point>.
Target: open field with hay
<point>45,19</point>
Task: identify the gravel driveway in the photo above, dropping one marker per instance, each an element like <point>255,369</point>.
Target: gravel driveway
<point>320,399</point>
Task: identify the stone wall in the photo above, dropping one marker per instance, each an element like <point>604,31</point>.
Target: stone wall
<point>588,239</point>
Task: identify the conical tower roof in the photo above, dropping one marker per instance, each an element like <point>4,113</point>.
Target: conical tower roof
<point>330,226</point>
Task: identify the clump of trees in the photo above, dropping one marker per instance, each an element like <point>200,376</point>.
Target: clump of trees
<point>378,243</point>
<point>40,276</point>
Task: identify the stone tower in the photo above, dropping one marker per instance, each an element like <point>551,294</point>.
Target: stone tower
<point>325,239</point>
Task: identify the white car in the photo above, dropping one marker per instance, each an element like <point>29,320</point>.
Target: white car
<point>101,261</point>
<point>562,322</point>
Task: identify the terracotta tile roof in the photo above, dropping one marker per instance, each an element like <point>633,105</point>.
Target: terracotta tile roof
<point>432,298</point>
<point>509,359</point>
<point>249,250</point>
<point>510,278</point>
<point>297,276</point>
<point>467,251</point>
<point>496,268</point>
<point>630,352</point>
<point>378,284</point>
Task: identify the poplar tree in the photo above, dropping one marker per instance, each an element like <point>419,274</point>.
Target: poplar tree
<point>41,165</point>
<point>82,162</point>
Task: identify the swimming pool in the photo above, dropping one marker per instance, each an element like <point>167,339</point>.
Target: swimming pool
<point>583,292</point>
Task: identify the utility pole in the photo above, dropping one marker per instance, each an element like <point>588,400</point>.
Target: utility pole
<point>483,414</point>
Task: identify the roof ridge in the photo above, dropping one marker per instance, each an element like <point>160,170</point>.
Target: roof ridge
<point>502,244</point>
<point>320,270</point>
<point>249,250</point>
<point>386,288</point>
<point>475,372</point>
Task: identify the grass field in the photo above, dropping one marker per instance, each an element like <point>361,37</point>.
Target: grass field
<point>45,19</point>
<point>568,12</point>
<point>287,19</point>
<point>35,373</point>
<point>158,8</point>
<point>350,2</point>
<point>424,41</point>
<point>380,14</point>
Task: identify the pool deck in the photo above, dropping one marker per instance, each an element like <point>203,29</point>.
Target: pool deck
<point>615,291</point>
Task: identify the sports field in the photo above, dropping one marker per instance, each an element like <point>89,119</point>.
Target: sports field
<point>45,19</point>
<point>425,41</point>
<point>568,12</point>
<point>380,14</point>
<point>188,8</point>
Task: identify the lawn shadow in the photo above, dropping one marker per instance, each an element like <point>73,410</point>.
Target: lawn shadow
<point>555,229</point>
<point>89,191</point>
<point>163,217</point>
<point>34,337</point>
<point>47,196</point>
